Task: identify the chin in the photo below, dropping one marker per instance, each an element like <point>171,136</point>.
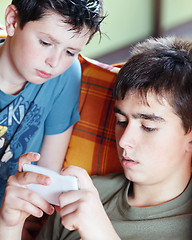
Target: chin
<point>133,177</point>
<point>129,176</point>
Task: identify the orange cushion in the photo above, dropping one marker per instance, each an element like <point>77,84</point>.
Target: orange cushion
<point>92,145</point>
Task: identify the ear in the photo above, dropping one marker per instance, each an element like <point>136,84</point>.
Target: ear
<point>189,142</point>
<point>11,19</point>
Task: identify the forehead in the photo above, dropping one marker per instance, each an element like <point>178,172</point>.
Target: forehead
<point>53,26</point>
<point>52,21</point>
<point>133,103</point>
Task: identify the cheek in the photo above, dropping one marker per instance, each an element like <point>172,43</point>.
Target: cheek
<point>65,64</point>
<point>27,56</point>
<point>161,149</point>
<point>152,146</point>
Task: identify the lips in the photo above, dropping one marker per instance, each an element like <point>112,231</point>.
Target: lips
<point>128,163</point>
<point>43,74</point>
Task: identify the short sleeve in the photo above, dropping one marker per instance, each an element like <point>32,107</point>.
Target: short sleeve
<point>64,111</point>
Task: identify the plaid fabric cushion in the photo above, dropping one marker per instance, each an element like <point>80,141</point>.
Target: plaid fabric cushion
<point>92,145</point>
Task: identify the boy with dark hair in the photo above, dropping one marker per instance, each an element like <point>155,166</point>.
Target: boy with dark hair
<point>40,78</point>
<point>153,198</point>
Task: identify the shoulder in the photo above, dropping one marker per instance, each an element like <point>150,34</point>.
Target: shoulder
<point>73,72</point>
<point>109,185</point>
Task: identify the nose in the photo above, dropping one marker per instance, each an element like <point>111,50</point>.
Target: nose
<point>53,59</point>
<point>128,137</point>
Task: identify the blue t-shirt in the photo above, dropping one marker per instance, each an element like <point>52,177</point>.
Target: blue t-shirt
<point>38,110</point>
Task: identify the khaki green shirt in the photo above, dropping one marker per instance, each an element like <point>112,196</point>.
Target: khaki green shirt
<point>169,221</point>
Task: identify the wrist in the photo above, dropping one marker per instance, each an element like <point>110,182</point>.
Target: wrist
<point>10,232</point>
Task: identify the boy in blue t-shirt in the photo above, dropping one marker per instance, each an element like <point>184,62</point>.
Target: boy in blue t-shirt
<point>40,78</point>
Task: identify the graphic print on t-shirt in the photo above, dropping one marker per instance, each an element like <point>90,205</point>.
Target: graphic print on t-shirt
<point>4,166</point>
<point>22,130</point>
<point>17,130</point>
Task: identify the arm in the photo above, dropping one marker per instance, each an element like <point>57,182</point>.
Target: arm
<point>54,149</point>
<point>19,202</point>
<point>64,113</point>
<point>82,210</point>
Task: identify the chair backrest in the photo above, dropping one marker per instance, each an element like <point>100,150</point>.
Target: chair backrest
<point>93,145</point>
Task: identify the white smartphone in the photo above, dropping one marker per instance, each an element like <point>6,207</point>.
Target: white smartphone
<point>59,183</point>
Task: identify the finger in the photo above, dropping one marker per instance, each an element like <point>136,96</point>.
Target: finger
<point>24,178</point>
<point>70,221</point>
<point>28,208</point>
<point>16,209</point>
<point>27,158</point>
<point>36,205</point>
<point>85,181</point>
<point>81,200</point>
<point>70,197</point>
<point>27,201</point>
<point>68,209</point>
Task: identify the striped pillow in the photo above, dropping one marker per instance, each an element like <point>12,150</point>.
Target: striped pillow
<point>92,145</point>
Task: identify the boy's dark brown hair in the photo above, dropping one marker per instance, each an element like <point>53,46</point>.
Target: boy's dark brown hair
<point>77,13</point>
<point>163,67</point>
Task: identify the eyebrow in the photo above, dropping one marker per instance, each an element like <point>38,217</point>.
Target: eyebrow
<point>51,37</point>
<point>75,49</point>
<point>57,42</point>
<point>151,117</point>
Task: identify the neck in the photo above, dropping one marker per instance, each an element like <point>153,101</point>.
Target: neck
<point>159,193</point>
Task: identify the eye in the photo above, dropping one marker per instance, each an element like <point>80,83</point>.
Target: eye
<point>45,44</point>
<point>149,129</point>
<point>69,53</point>
<point>122,123</point>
